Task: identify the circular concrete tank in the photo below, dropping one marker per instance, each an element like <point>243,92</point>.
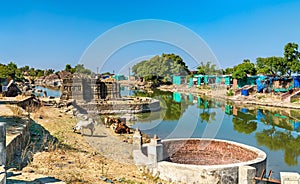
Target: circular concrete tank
<point>207,160</point>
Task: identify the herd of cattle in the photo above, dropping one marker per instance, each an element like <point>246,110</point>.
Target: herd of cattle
<point>118,125</point>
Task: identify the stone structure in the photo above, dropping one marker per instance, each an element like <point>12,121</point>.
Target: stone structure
<point>200,160</point>
<point>2,144</point>
<point>290,178</point>
<point>246,174</point>
<point>2,152</point>
<point>99,96</point>
<point>122,106</point>
<point>90,90</point>
<point>18,142</point>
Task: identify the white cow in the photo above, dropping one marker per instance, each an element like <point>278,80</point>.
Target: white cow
<point>90,124</point>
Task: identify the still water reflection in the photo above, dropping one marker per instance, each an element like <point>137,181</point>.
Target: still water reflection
<point>275,131</point>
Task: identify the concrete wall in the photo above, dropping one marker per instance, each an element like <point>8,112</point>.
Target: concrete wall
<point>2,151</point>
<point>173,172</point>
<point>290,177</point>
<point>208,173</point>
<point>224,173</point>
<point>16,146</point>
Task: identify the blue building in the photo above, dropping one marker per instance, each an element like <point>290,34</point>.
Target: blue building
<point>179,79</point>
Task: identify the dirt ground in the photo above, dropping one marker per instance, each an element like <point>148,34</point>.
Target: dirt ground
<point>69,157</point>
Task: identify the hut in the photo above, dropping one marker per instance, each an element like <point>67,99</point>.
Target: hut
<point>119,77</point>
<point>179,79</point>
<point>250,81</point>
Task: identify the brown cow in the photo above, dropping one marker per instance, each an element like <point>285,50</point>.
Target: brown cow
<point>122,128</point>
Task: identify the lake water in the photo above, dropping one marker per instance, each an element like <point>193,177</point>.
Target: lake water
<point>50,92</point>
<point>275,131</point>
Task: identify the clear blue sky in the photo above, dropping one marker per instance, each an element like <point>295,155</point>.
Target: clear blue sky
<point>51,33</point>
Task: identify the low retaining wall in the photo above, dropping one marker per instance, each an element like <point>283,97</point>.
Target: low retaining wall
<point>121,106</point>
<point>228,157</point>
<point>18,143</point>
<point>181,160</point>
<point>2,152</point>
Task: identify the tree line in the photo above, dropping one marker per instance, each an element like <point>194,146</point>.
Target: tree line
<point>19,73</point>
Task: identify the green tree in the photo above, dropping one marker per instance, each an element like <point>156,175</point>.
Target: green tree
<point>24,68</point>
<point>39,73</point>
<point>4,71</point>
<point>291,57</point>
<point>12,67</point>
<point>208,69</point>
<point>69,68</point>
<point>161,67</point>
<point>228,71</point>
<point>49,71</point>
<point>243,69</point>
<point>79,68</point>
<point>271,66</point>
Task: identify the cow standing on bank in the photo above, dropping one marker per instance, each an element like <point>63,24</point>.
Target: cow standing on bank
<point>89,124</point>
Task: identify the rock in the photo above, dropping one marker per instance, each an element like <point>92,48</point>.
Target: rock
<point>69,102</point>
<point>109,181</point>
<point>103,178</point>
<point>66,110</point>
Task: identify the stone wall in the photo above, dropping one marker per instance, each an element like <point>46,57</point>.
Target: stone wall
<point>120,106</point>
<point>2,151</point>
<point>19,142</point>
<point>89,90</point>
<point>174,172</point>
<point>224,168</point>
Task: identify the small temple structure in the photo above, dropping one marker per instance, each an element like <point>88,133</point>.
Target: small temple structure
<point>88,89</point>
<point>102,96</point>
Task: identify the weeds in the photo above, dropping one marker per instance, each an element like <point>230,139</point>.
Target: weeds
<point>230,92</point>
<point>102,166</point>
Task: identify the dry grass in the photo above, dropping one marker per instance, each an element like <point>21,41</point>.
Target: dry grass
<point>72,160</point>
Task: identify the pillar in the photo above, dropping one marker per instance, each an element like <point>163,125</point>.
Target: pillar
<point>290,177</point>
<point>155,150</point>
<point>246,174</point>
<point>2,144</point>
<point>137,140</point>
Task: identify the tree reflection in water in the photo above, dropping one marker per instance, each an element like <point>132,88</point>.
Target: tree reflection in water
<point>206,105</point>
<point>173,110</point>
<point>279,140</point>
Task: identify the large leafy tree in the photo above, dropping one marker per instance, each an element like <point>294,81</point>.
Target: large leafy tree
<point>161,67</point>
<point>243,69</point>
<point>271,66</point>
<point>291,57</point>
